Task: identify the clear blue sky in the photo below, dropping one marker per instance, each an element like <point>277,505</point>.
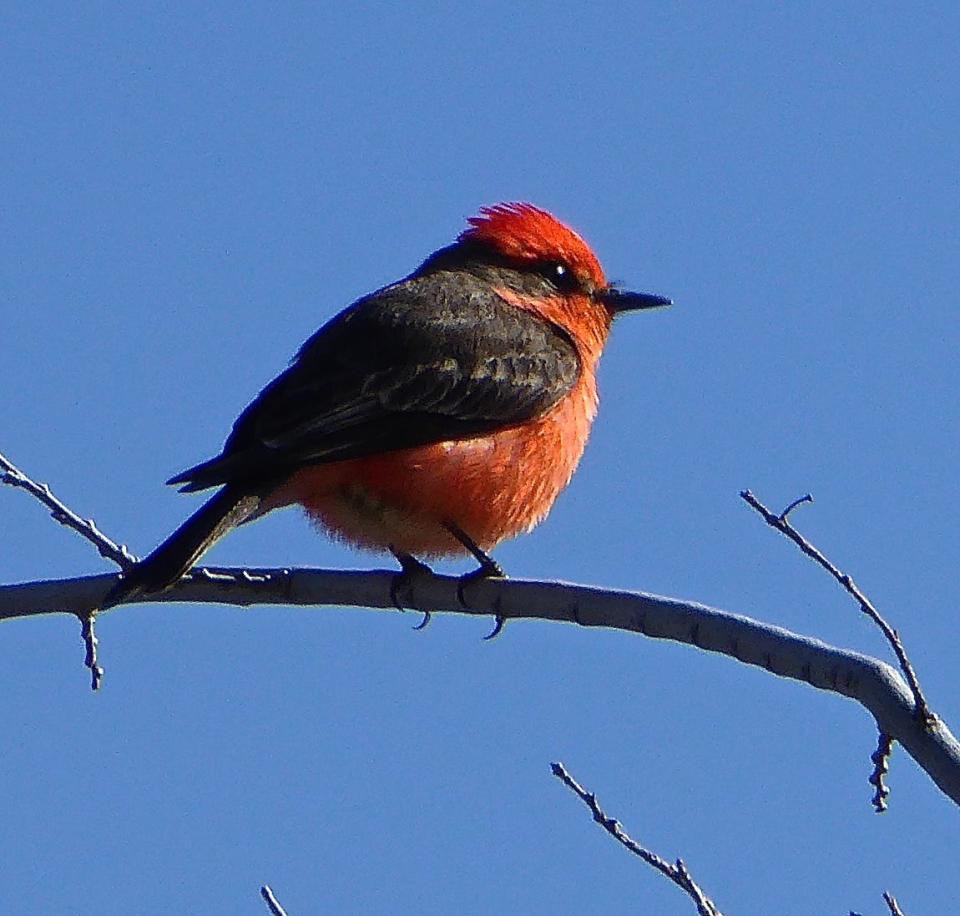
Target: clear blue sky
<point>188,190</point>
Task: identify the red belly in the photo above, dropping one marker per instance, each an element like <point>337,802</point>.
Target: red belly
<point>493,487</point>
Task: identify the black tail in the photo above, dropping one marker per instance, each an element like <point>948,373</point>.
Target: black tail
<point>185,546</point>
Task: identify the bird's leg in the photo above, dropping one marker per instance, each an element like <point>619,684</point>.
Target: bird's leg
<point>412,568</point>
<point>488,569</point>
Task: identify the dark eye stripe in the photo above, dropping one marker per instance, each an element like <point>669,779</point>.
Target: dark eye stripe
<point>559,274</point>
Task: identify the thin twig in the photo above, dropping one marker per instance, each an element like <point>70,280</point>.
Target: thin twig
<point>677,873</point>
<point>88,634</point>
<point>272,902</point>
<point>800,500</point>
<point>782,524</point>
<point>11,475</point>
<point>881,766</point>
<point>892,904</point>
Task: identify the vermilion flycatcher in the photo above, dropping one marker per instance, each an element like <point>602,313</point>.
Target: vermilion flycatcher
<point>437,416</point>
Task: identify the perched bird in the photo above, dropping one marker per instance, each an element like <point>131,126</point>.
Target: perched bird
<point>434,417</point>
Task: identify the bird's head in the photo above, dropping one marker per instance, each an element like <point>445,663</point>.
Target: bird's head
<point>541,264</point>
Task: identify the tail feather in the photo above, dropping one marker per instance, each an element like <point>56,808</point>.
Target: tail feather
<point>179,552</point>
<point>217,471</point>
<point>199,477</point>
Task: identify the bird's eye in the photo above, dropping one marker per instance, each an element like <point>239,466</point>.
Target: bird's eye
<point>560,275</point>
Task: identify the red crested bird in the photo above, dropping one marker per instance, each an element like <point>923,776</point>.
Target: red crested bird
<point>437,416</point>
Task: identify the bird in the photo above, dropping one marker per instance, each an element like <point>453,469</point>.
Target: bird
<point>435,417</point>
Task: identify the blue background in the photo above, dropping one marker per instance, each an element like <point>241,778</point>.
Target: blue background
<point>188,190</point>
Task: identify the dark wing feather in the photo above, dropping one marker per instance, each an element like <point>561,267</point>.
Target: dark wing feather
<point>432,358</point>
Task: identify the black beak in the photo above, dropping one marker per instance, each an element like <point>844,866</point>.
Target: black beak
<point>620,300</point>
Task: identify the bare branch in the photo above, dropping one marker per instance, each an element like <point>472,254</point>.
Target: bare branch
<point>86,527</point>
<point>869,681</point>
<point>677,873</point>
<point>782,525</point>
<point>272,903</point>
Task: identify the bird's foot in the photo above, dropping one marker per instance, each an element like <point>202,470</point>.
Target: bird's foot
<point>488,569</point>
<point>411,570</point>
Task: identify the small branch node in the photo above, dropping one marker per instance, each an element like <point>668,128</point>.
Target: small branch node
<point>881,766</point>
<point>89,636</point>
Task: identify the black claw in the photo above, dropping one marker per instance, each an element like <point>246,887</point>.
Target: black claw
<point>423,623</point>
<point>497,629</point>
<point>488,568</point>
